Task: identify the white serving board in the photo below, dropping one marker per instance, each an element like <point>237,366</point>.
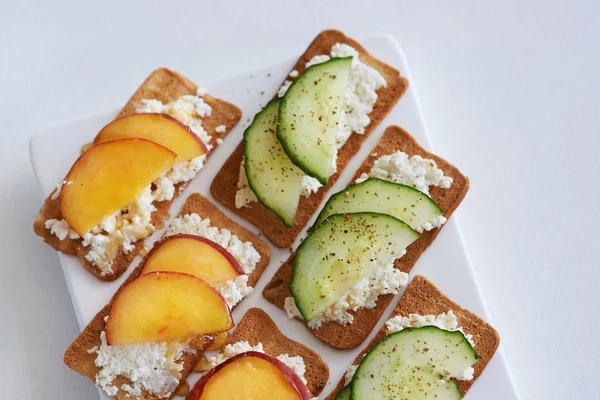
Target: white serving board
<point>446,262</point>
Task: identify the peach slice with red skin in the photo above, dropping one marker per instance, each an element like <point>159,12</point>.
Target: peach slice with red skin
<point>165,306</point>
<point>109,176</point>
<point>193,255</point>
<point>250,375</point>
<point>159,128</point>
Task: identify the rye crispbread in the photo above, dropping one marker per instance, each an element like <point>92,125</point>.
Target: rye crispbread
<point>257,327</point>
<point>424,298</point>
<point>224,186</point>
<point>349,336</point>
<point>77,356</point>
<point>164,85</point>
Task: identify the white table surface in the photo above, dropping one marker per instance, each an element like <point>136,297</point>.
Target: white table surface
<point>510,94</point>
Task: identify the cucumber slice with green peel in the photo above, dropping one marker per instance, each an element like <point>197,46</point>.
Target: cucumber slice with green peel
<point>274,179</point>
<point>341,251</point>
<point>309,115</point>
<point>419,361</point>
<point>344,394</point>
<point>377,195</point>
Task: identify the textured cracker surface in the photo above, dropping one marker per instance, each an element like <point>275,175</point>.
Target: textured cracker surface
<point>352,335</point>
<point>77,358</point>
<point>224,186</point>
<point>423,297</point>
<point>164,85</point>
<point>257,327</point>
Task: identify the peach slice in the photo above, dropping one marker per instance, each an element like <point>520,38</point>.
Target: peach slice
<point>109,176</point>
<point>159,128</point>
<point>193,255</point>
<point>250,375</point>
<point>165,306</point>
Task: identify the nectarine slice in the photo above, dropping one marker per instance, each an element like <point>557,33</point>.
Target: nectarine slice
<point>250,375</point>
<point>164,306</point>
<point>109,176</point>
<point>159,128</point>
<point>193,255</point>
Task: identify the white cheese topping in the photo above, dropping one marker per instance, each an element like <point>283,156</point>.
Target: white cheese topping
<point>120,231</point>
<point>221,128</point>
<point>415,171</point>
<point>296,363</point>
<point>246,255</point>
<point>152,366</point>
<point>384,280</point>
<point>359,98</point>
<point>188,109</point>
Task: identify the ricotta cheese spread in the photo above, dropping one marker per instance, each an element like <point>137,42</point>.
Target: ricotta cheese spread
<point>153,366</point>
<point>415,171</point>
<point>385,279</point>
<point>221,129</point>
<point>296,363</point>
<point>359,98</point>
<point>120,231</point>
<point>234,290</point>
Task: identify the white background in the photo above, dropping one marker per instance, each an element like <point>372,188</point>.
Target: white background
<point>510,93</point>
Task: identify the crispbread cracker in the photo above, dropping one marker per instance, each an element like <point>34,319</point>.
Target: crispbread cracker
<point>350,336</point>
<point>196,203</point>
<point>257,327</point>
<point>164,85</point>
<point>424,298</point>
<point>77,356</point>
<point>224,186</point>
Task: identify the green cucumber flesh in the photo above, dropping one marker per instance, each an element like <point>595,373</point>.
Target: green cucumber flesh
<point>341,251</point>
<point>419,361</point>
<point>309,115</point>
<point>274,179</point>
<point>344,394</point>
<point>384,197</point>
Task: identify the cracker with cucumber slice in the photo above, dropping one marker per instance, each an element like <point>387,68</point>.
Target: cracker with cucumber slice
<point>257,327</point>
<point>424,298</point>
<point>351,335</point>
<point>224,186</point>
<point>77,356</point>
<point>164,85</point>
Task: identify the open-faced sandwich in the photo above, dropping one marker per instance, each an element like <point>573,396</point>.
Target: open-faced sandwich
<point>120,189</point>
<point>366,239</point>
<point>429,349</point>
<point>298,145</point>
<point>259,362</point>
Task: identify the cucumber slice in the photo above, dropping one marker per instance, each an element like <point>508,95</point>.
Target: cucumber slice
<point>340,252</point>
<point>273,178</point>
<point>377,195</point>
<point>344,394</point>
<point>415,363</point>
<point>309,114</point>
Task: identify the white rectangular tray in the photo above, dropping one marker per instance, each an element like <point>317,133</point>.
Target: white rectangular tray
<point>446,262</point>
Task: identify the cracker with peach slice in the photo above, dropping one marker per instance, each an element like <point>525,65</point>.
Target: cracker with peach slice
<point>257,327</point>
<point>250,375</point>
<point>163,85</point>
